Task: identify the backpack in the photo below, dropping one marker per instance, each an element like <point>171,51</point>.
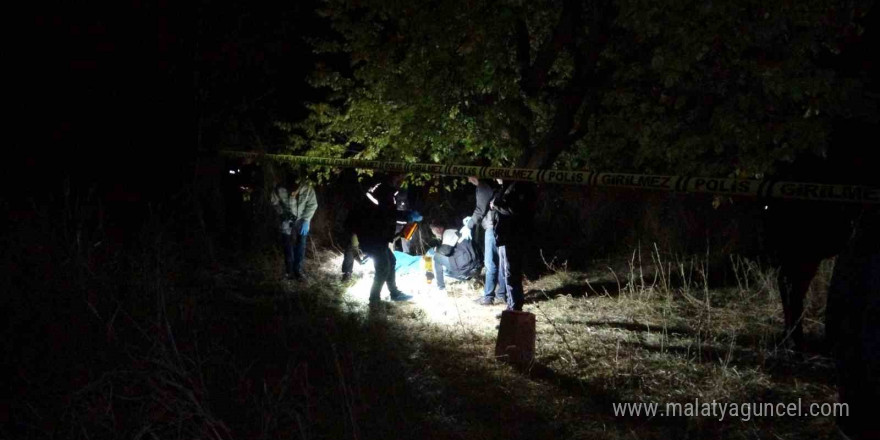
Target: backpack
<point>464,258</point>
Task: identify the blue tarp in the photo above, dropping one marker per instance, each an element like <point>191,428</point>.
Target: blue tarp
<point>407,263</point>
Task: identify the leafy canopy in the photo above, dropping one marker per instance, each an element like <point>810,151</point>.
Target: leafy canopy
<point>679,86</point>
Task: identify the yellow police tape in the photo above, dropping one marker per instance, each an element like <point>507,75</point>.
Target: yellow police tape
<point>739,187</point>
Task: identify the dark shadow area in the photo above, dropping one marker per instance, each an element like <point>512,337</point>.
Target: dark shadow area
<point>601,396</point>
<point>601,399</point>
<point>578,290</point>
<point>633,327</point>
<point>782,366</point>
<point>613,288</point>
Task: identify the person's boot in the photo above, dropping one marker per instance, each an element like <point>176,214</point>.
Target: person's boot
<point>400,296</point>
<point>485,301</point>
<point>397,294</point>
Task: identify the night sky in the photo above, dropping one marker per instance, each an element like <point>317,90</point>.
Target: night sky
<point>129,92</point>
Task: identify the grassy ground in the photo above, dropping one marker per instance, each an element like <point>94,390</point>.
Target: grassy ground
<point>230,351</point>
<point>634,333</point>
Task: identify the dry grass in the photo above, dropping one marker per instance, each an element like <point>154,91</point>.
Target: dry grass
<point>651,332</point>
<point>226,350</point>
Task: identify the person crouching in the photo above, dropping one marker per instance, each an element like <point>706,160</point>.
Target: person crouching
<point>454,256</point>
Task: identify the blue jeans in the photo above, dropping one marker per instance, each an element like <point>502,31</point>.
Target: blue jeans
<point>287,251</point>
<point>490,260</point>
<point>510,269</point>
<point>294,253</point>
<point>441,262</point>
<point>299,252</point>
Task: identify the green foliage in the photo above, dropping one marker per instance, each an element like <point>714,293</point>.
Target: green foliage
<point>720,88</point>
<point>678,86</point>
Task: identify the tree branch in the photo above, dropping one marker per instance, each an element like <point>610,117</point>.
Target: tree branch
<point>534,76</point>
<point>523,57</point>
<point>560,135</point>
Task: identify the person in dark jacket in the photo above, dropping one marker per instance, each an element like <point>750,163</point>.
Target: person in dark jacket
<point>852,327</point>
<point>515,205</point>
<point>454,256</point>
<point>375,230</point>
<point>487,218</point>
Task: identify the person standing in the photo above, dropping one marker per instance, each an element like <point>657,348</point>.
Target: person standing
<point>852,329</point>
<point>487,218</point>
<point>296,203</point>
<point>351,254</point>
<point>354,202</point>
<point>375,230</point>
<point>515,206</point>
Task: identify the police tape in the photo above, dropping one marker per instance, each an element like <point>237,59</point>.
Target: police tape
<point>692,184</point>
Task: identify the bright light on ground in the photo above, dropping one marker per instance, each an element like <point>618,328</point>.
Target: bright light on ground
<point>454,307</point>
